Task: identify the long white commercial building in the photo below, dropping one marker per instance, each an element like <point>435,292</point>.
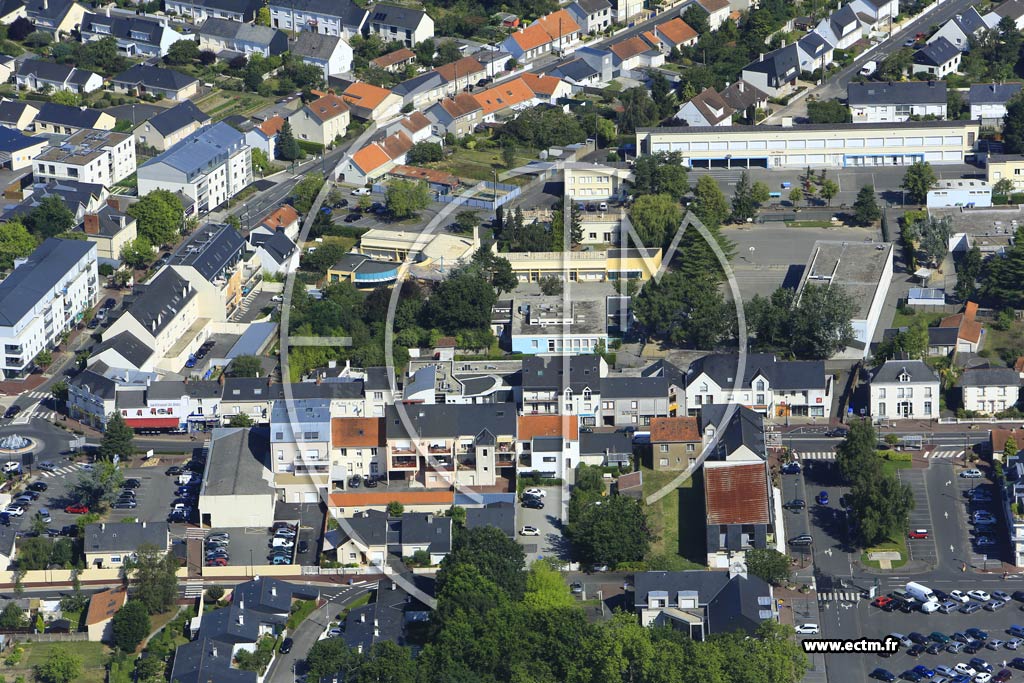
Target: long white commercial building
<point>816,145</point>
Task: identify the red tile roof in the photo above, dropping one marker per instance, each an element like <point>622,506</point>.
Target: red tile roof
<point>105,604</point>
<point>666,429</point>
<point>357,432</point>
<point>416,121</point>
<point>460,68</point>
<point>712,6</point>
<point>461,105</point>
<point>426,174</point>
<point>546,30</point>
<point>532,426</point>
<point>327,107</point>
<point>676,31</point>
<point>542,85</point>
<point>364,95</point>
<point>630,47</point>
<point>370,157</point>
<point>504,95</point>
<point>282,216</point>
<point>397,57</point>
<point>736,493</point>
<point>969,328</point>
<point>272,126</point>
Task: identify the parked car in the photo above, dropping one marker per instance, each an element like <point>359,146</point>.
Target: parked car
<point>46,466</point>
<point>12,411</point>
<point>959,596</point>
<point>801,540</point>
<point>38,486</point>
<point>286,646</point>
<point>533,503</point>
<point>972,473</point>
<point>76,509</point>
<point>795,505</point>
<point>529,531</point>
<point>822,498</point>
<point>883,675</point>
<point>807,629</point>
<point>125,504</point>
<point>978,594</point>
<point>540,493</point>
<point>792,467</point>
<point>919,534</point>
<point>131,484</point>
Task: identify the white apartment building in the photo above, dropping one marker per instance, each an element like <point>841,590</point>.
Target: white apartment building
<point>98,157</point>
<point>904,390</point>
<point>300,448</point>
<point>45,295</point>
<point>989,390</point>
<point>211,166</point>
<point>333,17</point>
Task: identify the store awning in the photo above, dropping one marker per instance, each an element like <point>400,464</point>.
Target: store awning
<point>153,422</point>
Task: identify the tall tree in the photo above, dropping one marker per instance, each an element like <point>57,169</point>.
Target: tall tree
<point>747,198</point>
<point>637,110</point>
<point>656,218</point>
<point>967,273</point>
<point>821,322</point>
<point>287,147</point>
<point>15,242</point>
<point>245,366</point>
<point>153,573</point>
<point>184,51</point>
<point>610,531</point>
<point>661,173</point>
<point>130,626</point>
<point>51,217</point>
<point>919,178</point>
<point>769,564</point>
<point>405,197</point>
<point>61,666</point>
<point>462,301</point>
<point>159,215</point>
<point>935,234</point>
<point>1013,125</point>
<point>709,203</point>
<point>865,207</point>
<point>497,557</point>
<point>118,438</point>
<point>97,488</point>
<point>685,310</point>
<point>829,189</point>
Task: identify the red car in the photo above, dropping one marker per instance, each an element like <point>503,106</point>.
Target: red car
<point>217,562</point>
<point>881,601</point>
<point>76,510</point>
<point>919,533</point>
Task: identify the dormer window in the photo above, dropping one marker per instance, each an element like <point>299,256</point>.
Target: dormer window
<point>568,392</point>
<point>760,385</point>
<point>586,394</point>
<point>904,376</point>
<point>704,387</point>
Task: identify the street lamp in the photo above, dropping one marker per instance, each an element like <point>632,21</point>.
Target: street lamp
<point>251,563</point>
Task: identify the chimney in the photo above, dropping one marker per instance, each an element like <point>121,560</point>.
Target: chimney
<point>241,603</point>
<point>46,5</point>
<point>362,618</point>
<point>273,591</point>
<point>318,380</point>
<point>108,11</point>
<point>221,379</point>
<point>92,224</point>
<point>787,121</point>
<point>740,84</point>
<point>213,651</point>
<point>103,526</point>
<point>122,220</point>
<point>112,203</point>
<point>241,619</point>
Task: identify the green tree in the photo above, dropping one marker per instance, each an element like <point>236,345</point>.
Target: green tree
<point>769,564</point>
<point>546,588</point>
<point>245,366</point>
<point>1013,125</point>
<point>896,65</point>
<point>709,203</point>
<point>260,162</point>
<point>287,147</point>
<point>395,509</point>
<point>153,576</point>
<point>49,218</point>
<point>919,178</point>
<point>829,189</point>
<point>551,285</point>
<point>466,220</point>
<point>425,152</point>
<point>611,533</point>
<point>158,216</point>
<point>747,198</point>
<point>65,97</point>
<point>910,343</point>
<point>118,438</point>
<point>137,253</point>
<point>458,515</point>
<point>12,616</point>
<point>796,195</point>
<point>494,555</point>
<point>508,156</point>
<point>661,173</point>
<point>1003,187</point>
<point>263,16</point>
<point>330,656</point>
<point>821,322</point>
<point>462,301</point>
<point>558,228</point>
<point>656,218</point>
<point>182,51</point>
<point>968,271</point>
<point>828,111</point>
<point>130,625</point>
<point>496,269</point>
<point>955,104</point>
<point>935,234</point>
<point>1010,449</point>
<point>865,207</point>
<point>590,479</point>
<point>404,198</point>
<point>684,310</point>
<point>61,666</point>
<point>59,391</point>
<point>98,487</point>
<point>1002,281</point>
<point>15,242</point>
<point>637,110</point>
<point>240,420</point>
<point>306,190</point>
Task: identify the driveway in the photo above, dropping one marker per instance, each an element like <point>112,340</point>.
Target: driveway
<point>548,522</point>
<point>283,669</point>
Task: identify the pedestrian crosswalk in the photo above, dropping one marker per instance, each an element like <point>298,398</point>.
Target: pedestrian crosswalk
<point>61,471</point>
<point>841,596</point>
<point>193,588</point>
<point>816,455</point>
<point>35,410</point>
<point>944,454</point>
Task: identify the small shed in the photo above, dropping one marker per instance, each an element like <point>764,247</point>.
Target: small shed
<point>926,296</point>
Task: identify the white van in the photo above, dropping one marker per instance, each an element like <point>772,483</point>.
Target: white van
<point>279,542</point>
<point>930,606</point>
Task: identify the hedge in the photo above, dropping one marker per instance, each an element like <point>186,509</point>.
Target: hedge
<point>897,456</point>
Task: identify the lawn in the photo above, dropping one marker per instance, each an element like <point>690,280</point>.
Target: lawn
<point>1003,344</point>
<point>810,224</point>
<point>344,242</point>
<point>481,164</point>
<point>899,545</point>
<point>300,611</point>
<point>686,502</point>
<point>220,104</point>
<point>930,319</point>
<point>93,657</point>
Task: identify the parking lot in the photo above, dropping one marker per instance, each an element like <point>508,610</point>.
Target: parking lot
<point>922,549</point>
<point>879,624</point>
<point>548,523</point>
<point>248,545</point>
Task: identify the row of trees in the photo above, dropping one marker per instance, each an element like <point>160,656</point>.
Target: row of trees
<point>879,503</point>
<point>487,600</point>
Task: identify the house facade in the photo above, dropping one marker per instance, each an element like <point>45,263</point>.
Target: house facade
<point>872,102</point>
<point>989,391</point>
<point>904,389</point>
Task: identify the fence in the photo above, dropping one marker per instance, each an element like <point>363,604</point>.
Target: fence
<point>49,637</point>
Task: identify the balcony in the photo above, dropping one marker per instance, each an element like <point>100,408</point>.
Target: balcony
<point>15,349</point>
<point>438,449</point>
<point>506,447</point>
<point>402,463</point>
<point>403,450</point>
<point>506,460</point>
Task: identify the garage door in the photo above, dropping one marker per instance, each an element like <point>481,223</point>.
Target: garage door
<point>310,497</point>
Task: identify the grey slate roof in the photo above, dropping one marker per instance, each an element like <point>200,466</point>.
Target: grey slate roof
<point>95,384</point>
<point>992,93</point>
<point>246,7</point>
<point>395,15</point>
<point>418,84</point>
<point>163,297</point>
<point>943,336</point>
<point>314,45</point>
<point>249,33</point>
<point>64,115</point>
<point>936,53</point>
<point>969,21</point>
<point>576,69</point>
<point>154,77</point>
<point>890,371</point>
<point>633,387</point>
<point>499,515</point>
<point>989,377</point>
<point>277,245</point>
<point>592,6</point>
<point>666,369</point>
<point>908,92</point>
<point>384,618</point>
<point>128,345</point>
<point>47,71</point>
<point>451,420</point>
<point>424,528</point>
<point>741,95</point>
<point>219,251</point>
<point>44,270</point>
<point>125,28</point>
<point>844,16</point>
<point>744,428</point>
<point>777,64</point>
<point>731,603</point>
<point>271,596</point>
<point>541,373</point>
<point>177,117</point>
<point>171,389</point>
<point>12,110</point>
<point>237,463</point>
<point>112,538</point>
<point>110,220</point>
<point>202,150</point>
<point>13,141</point>
<point>782,375</point>
<point>593,443</point>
